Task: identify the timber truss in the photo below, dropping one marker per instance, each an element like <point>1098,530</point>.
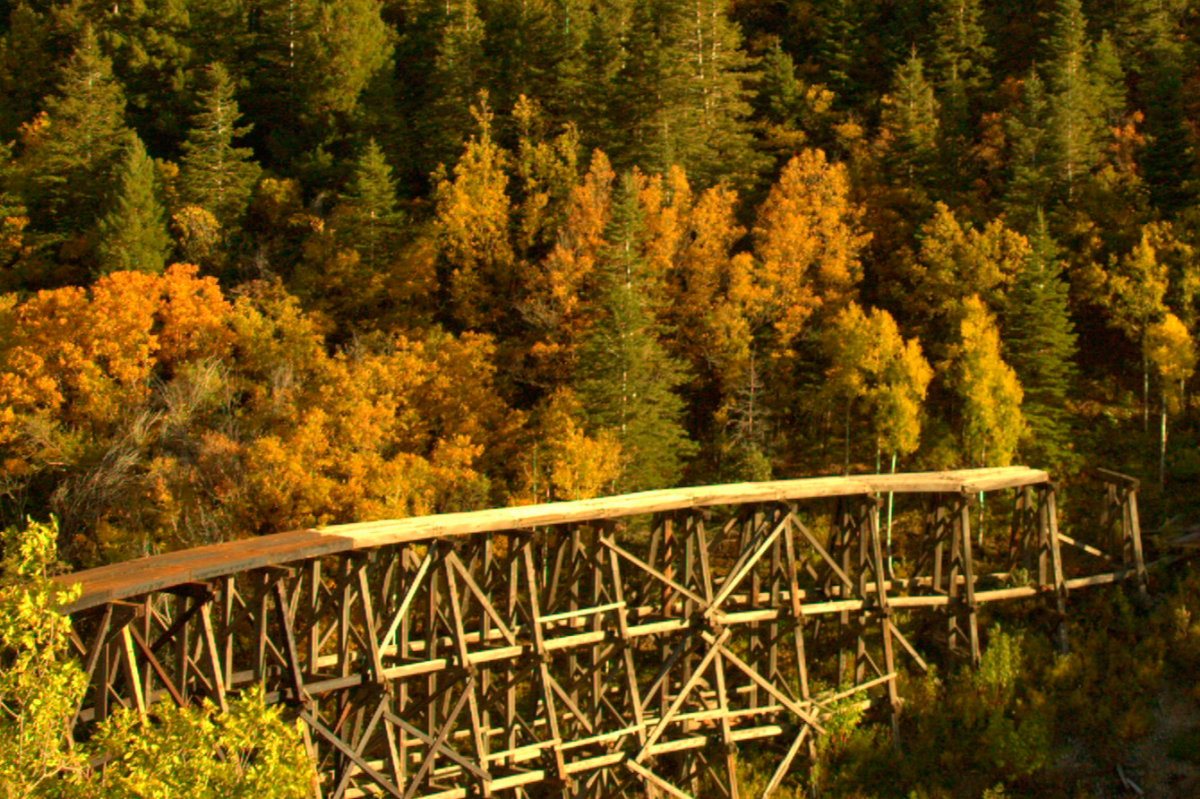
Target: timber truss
<point>624,646</point>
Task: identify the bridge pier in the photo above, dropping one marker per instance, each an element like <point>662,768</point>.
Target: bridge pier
<point>614,647</point>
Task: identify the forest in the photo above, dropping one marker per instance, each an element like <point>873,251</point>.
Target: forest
<point>275,263</point>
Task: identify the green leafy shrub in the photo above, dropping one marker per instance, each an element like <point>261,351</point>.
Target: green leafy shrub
<point>248,752</point>
<point>40,685</point>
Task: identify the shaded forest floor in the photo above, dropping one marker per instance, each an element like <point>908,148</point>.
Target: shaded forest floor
<point>1165,764</point>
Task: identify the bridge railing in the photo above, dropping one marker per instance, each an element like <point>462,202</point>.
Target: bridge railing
<point>612,647</point>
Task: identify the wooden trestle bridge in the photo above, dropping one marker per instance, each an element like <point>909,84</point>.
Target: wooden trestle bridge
<point>622,646</point>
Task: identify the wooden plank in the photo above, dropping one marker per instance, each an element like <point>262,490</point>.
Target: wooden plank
<point>784,765</point>
<point>1091,550</point>
<point>653,572</point>
<point>144,575</point>
<point>715,645</point>
<point>655,780</point>
<point>378,778</point>
<point>780,697</point>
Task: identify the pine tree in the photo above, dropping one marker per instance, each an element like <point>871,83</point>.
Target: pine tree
<point>652,89</point>
<point>1029,131</point>
<point>910,117</point>
<point>961,54</point>
<point>1039,343</point>
<point>35,33</point>
<point>683,94</point>
<point>312,62</point>
<point>353,43</point>
<point>839,44</point>
<point>215,175</point>
<point>1108,82</point>
<point>524,43</point>
<point>1169,139</point>
<point>1074,111</point>
<point>372,220</point>
<point>456,80</point>
<point>149,42</point>
<point>626,380</point>
<point>68,166</point>
<point>959,67</point>
<point>594,71</point>
<point>132,236</point>
<point>280,73</point>
<point>718,102</point>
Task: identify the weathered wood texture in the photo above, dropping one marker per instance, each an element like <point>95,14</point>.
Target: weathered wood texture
<point>616,647</point>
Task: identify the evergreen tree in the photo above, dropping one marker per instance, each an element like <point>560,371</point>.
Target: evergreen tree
<point>1168,138</point>
<point>1028,130</point>
<point>652,91</point>
<point>1108,82</point>
<point>372,220</point>
<point>961,54</point>
<point>960,71</point>
<point>312,62</point>
<point>525,40</point>
<point>1040,345</point>
<point>37,43</point>
<point>683,94</point>
<point>1074,111</point>
<point>627,381</point>
<point>132,236</point>
<point>68,165</point>
<point>149,42</point>
<point>838,44</point>
<point>595,71</point>
<point>215,175</point>
<point>718,100</point>
<point>910,118</point>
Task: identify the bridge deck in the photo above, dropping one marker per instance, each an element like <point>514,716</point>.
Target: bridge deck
<point>141,576</point>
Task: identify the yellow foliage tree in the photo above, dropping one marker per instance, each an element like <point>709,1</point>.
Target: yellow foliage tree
<point>989,389</point>
<point>957,261</point>
<point>554,288</point>
<point>872,363</point>
<point>807,240</point>
<point>154,413</point>
<point>1137,288</point>
<point>473,215</point>
<point>709,291</point>
<point>563,462</point>
<point>1169,348</point>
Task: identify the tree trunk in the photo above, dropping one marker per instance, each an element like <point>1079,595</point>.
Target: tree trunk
<point>1162,449</point>
<point>1145,389</point>
<point>846,470</point>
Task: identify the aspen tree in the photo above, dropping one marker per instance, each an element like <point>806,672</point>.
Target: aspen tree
<point>1170,349</point>
<point>991,395</point>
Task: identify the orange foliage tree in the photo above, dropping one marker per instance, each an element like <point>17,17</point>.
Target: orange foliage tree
<point>152,412</point>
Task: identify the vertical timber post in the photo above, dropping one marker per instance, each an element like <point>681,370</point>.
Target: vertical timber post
<point>1060,583</point>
